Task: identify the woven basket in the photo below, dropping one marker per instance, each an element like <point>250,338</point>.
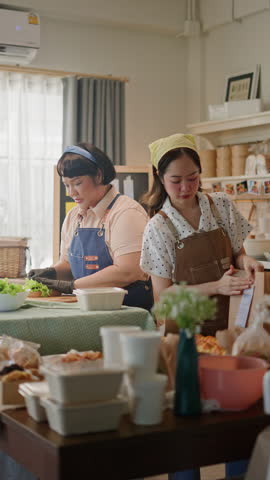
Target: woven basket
<point>12,257</point>
<point>224,162</point>
<point>208,163</point>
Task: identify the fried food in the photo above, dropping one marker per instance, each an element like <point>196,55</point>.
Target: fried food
<point>76,356</point>
<point>16,376</point>
<point>209,344</point>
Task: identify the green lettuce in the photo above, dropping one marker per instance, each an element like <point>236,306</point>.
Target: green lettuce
<point>10,288</point>
<point>35,286</point>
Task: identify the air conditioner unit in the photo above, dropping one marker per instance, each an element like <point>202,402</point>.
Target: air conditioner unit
<point>19,36</point>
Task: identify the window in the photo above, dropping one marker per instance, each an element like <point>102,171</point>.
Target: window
<point>31,117</point>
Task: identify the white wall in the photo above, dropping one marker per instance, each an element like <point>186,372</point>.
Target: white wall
<point>154,63</point>
<point>234,48</point>
<point>229,49</point>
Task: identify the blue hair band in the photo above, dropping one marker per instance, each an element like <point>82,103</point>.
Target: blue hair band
<point>80,151</point>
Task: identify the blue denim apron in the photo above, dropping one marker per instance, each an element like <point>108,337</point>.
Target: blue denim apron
<point>88,253</point>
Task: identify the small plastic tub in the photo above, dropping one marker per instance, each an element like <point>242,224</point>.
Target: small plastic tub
<point>93,385</point>
<point>83,418</point>
<point>100,298</point>
<point>32,393</point>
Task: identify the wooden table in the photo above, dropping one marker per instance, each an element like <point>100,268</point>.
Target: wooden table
<point>132,451</point>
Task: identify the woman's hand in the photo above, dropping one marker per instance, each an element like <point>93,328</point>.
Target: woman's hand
<point>230,285</point>
<point>62,286</point>
<point>250,265</point>
<point>48,272</point>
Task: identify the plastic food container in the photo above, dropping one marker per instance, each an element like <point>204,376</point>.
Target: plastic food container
<point>12,302</point>
<point>235,383</point>
<point>32,393</point>
<point>95,385</point>
<point>100,298</point>
<point>86,418</point>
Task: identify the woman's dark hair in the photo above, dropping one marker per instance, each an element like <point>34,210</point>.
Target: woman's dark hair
<point>154,199</point>
<point>74,165</point>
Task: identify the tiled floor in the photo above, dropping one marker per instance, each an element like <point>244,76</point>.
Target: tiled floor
<point>207,473</point>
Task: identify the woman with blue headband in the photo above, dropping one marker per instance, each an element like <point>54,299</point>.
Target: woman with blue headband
<point>101,237</point>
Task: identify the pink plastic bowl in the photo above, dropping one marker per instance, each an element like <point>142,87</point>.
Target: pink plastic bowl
<point>235,383</point>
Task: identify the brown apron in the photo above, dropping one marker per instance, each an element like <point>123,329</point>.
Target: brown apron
<point>203,257</point>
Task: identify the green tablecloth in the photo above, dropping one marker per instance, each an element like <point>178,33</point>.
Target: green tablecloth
<point>60,327</point>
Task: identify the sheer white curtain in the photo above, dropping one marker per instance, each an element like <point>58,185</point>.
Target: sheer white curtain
<point>31,116</point>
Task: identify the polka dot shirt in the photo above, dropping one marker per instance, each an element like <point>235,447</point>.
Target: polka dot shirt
<point>158,250</point>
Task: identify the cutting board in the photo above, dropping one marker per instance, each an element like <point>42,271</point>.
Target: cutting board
<point>61,298</point>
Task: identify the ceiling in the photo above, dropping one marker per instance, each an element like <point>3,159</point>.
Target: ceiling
<point>148,15</point>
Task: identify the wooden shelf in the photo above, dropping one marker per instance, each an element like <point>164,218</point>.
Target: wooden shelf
<point>241,178</point>
<point>235,130</point>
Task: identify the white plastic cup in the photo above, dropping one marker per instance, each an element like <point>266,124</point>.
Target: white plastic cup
<point>147,400</point>
<point>266,392</point>
<point>111,347</point>
<point>140,352</point>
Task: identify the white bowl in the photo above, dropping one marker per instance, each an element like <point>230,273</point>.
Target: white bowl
<point>255,247</point>
<point>12,302</point>
<point>95,385</point>
<point>90,417</point>
<point>100,298</point>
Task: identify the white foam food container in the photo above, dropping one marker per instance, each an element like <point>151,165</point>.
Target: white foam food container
<point>83,418</point>
<point>94,385</point>
<point>106,298</point>
<point>32,393</point>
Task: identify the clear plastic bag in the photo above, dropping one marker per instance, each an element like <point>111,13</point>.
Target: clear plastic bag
<point>254,341</point>
<point>18,351</point>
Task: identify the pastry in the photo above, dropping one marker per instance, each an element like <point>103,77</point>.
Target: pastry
<point>17,376</point>
<point>209,344</point>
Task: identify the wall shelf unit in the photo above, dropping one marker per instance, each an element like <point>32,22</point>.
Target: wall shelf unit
<point>235,130</point>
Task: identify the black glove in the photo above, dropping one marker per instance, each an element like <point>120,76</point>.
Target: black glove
<point>62,286</point>
<point>49,272</point>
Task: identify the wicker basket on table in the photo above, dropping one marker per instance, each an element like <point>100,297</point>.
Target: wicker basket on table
<point>13,257</point>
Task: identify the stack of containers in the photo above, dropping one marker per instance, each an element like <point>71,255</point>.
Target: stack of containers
<point>239,155</point>
<point>83,398</point>
<point>208,163</point>
<point>224,162</point>
<point>145,388</point>
<point>32,393</point>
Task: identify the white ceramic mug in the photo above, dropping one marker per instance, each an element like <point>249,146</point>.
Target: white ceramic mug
<point>112,352</point>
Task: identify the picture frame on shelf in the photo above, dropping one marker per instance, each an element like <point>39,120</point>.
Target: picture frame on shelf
<point>229,188</point>
<point>266,187</point>
<point>241,187</point>
<point>243,86</point>
<point>217,187</point>
<point>254,187</point>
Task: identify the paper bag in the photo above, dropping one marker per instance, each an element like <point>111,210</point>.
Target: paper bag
<point>261,287</point>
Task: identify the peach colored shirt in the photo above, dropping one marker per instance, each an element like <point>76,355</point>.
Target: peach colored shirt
<point>124,225</point>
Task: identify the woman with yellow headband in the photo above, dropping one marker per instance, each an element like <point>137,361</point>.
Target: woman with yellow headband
<point>193,237</point>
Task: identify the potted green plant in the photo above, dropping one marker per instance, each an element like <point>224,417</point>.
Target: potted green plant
<point>189,309</point>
